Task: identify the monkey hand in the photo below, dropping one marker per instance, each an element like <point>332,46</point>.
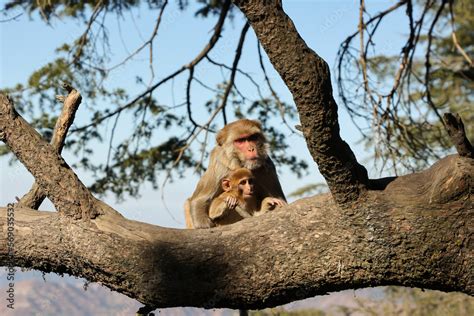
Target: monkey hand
<point>231,202</point>
<point>270,203</point>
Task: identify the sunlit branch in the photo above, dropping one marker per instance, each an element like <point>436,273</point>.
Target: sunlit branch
<point>71,102</point>
<point>454,37</point>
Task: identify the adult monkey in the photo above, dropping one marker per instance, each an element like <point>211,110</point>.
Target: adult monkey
<point>240,144</point>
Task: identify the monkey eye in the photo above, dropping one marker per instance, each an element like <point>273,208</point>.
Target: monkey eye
<point>252,138</point>
<point>245,181</point>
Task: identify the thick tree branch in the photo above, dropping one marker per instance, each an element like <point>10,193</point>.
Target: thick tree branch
<point>305,249</point>
<point>51,172</point>
<point>308,78</point>
<point>36,196</point>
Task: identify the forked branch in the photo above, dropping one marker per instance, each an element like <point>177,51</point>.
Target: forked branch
<point>54,176</point>
<point>36,196</point>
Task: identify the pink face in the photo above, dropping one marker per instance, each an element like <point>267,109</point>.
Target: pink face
<point>247,146</point>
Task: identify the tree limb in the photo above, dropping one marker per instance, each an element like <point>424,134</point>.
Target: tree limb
<point>51,172</point>
<point>307,248</point>
<point>36,196</point>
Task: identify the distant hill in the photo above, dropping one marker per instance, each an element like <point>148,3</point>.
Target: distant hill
<point>37,297</point>
<point>67,297</point>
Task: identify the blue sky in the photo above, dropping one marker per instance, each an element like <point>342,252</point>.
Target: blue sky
<point>27,44</point>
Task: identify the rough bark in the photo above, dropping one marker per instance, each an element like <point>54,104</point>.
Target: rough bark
<point>408,234</point>
<point>308,77</point>
<point>55,177</point>
<point>36,196</point>
<point>455,128</point>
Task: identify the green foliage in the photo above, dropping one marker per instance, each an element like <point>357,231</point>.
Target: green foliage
<point>71,8</point>
<point>80,8</point>
<point>133,168</point>
<point>208,7</point>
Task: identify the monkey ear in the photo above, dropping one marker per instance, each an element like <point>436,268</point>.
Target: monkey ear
<point>226,185</point>
<point>220,138</point>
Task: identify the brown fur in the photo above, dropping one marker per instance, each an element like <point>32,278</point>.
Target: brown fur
<point>219,211</point>
<point>224,159</point>
<point>234,130</point>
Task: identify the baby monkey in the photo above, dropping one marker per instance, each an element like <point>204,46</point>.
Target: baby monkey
<point>239,199</point>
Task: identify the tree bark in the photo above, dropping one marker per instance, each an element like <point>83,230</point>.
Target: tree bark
<point>36,196</point>
<point>405,235</point>
<point>455,129</point>
<point>68,194</point>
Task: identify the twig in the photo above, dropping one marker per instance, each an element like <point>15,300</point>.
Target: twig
<point>82,40</point>
<point>272,91</point>
<point>149,42</point>
<point>230,84</point>
<point>194,62</point>
<point>428,63</point>
<point>453,35</point>
<point>188,96</point>
<point>246,74</point>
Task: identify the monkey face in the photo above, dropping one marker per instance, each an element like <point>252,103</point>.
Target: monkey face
<point>246,187</point>
<point>247,146</point>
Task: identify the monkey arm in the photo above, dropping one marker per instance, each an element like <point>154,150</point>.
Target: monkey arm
<point>269,204</point>
<point>200,201</point>
<point>198,210</point>
<point>218,208</point>
<point>275,189</point>
<point>207,189</point>
<point>242,211</point>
